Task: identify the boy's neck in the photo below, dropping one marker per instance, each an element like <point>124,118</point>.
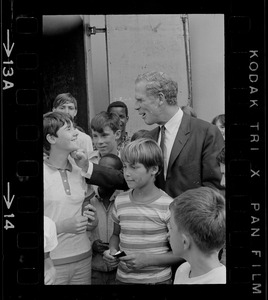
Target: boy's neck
<point>201,263</point>
<point>146,193</point>
<point>58,159</point>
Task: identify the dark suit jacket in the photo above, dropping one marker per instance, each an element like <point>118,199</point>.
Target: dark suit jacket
<point>192,160</point>
<point>107,177</point>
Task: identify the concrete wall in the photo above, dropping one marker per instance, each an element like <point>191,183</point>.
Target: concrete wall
<point>127,59</point>
<point>207,64</point>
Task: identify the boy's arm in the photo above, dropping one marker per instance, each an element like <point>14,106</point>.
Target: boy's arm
<point>113,247</point>
<point>141,260</point>
<point>114,240</point>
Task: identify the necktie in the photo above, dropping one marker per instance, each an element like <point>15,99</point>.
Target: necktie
<point>162,141</point>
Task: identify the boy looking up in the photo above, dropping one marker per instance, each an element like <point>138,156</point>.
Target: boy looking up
<point>197,233</point>
<point>64,192</point>
<point>141,218</point>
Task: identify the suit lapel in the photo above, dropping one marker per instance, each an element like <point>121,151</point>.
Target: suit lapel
<point>180,140</point>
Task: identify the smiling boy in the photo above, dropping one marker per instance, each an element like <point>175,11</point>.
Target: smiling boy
<point>106,133</point>
<point>64,192</point>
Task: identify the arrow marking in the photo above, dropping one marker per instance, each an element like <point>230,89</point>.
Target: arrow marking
<point>7,200</point>
<point>8,50</point>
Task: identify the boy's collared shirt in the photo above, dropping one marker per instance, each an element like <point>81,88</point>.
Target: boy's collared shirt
<point>123,143</point>
<point>104,230</point>
<point>64,193</point>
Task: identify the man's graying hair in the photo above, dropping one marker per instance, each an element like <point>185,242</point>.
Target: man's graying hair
<point>160,82</point>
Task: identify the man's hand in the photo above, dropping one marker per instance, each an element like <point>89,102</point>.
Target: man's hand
<point>81,159</point>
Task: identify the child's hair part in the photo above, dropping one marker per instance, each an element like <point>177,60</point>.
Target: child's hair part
<point>118,104</point>
<point>145,151</point>
<point>63,99</point>
<point>200,212</point>
<point>104,119</point>
<point>52,122</point>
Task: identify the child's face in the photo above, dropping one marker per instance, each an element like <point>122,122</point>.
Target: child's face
<point>67,138</point>
<point>106,142</point>
<point>176,239</point>
<point>122,115</point>
<point>137,176</point>
<point>221,127</point>
<point>68,108</point>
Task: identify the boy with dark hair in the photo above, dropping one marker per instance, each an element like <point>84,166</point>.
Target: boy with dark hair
<point>141,218</point>
<point>64,192</point>
<point>197,233</point>
<point>67,103</point>
<point>121,109</point>
<point>106,133</point>
<point>103,201</point>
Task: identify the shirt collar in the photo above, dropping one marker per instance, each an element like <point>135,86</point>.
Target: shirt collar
<point>69,166</point>
<point>175,121</point>
<point>112,198</point>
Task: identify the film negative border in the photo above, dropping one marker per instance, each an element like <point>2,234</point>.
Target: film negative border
<point>21,155</point>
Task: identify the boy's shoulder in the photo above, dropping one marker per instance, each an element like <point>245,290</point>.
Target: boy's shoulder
<point>165,197</point>
<point>122,194</point>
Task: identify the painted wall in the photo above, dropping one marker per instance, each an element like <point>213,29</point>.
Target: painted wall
<point>206,34</point>
<point>207,64</point>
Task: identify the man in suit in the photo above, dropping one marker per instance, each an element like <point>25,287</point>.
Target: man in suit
<point>190,145</point>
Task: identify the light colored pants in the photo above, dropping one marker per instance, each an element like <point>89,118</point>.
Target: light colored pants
<point>77,273</point>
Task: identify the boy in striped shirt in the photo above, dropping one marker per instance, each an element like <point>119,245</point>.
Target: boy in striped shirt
<point>141,217</point>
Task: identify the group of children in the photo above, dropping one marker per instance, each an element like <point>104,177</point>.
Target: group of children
<point>109,236</point>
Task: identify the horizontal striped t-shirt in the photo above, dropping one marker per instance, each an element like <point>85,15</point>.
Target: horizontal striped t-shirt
<point>144,228</point>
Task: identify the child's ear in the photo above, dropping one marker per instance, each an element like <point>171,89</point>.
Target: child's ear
<point>117,134</point>
<point>186,241</point>
<point>51,139</point>
<point>154,170</point>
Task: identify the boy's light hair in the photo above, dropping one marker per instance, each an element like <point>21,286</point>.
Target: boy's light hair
<point>201,213</point>
<point>64,98</point>
<point>160,82</point>
<point>52,122</point>
<point>103,119</point>
<point>144,151</point>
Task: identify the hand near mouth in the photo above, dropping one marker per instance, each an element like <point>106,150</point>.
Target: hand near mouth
<point>81,159</point>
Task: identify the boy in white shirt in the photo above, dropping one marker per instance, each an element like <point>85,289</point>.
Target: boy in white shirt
<point>197,233</point>
<point>50,243</point>
<point>64,192</point>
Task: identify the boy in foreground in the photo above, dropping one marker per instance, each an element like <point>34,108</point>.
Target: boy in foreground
<point>197,233</point>
<point>64,192</point>
<point>141,218</point>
